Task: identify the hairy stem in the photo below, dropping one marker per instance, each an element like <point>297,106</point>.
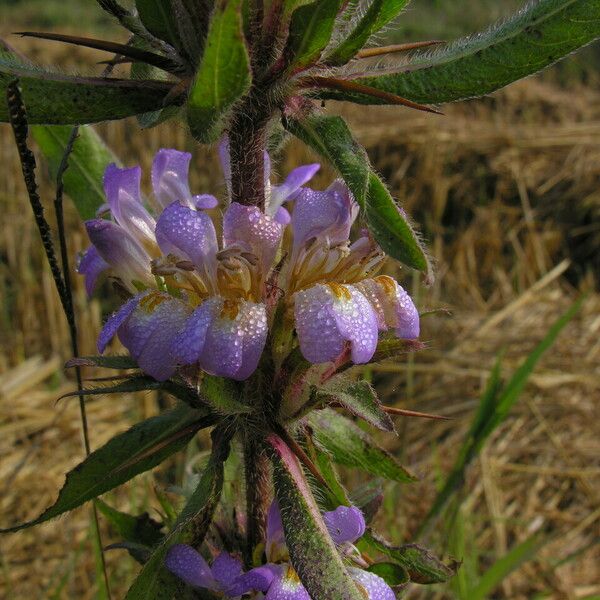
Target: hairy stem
<point>256,469</point>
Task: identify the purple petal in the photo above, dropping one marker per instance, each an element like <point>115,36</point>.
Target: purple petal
<point>393,306</point>
<point>327,214</point>
<point>204,201</point>
<point>235,340</point>
<point>226,569</point>
<point>149,333</point>
<point>91,265</point>
<point>120,250</point>
<point>188,565</point>
<point>328,316</point>
<point>170,177</point>
<point>287,587</point>
<point>250,227</point>
<point>182,230</point>
<point>282,216</point>
<point>293,182</point>
<point>258,579</point>
<point>275,548</point>
<point>122,189</point>
<point>345,524</point>
<point>224,337</point>
<point>375,586</point>
<point>116,320</point>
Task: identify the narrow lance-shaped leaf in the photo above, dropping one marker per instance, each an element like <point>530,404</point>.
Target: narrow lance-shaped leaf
<point>223,76</point>
<point>55,99</point>
<point>159,19</point>
<point>139,449</point>
<point>378,15</point>
<point>351,446</point>
<point>87,163</point>
<point>535,37</point>
<point>310,31</point>
<point>312,552</point>
<point>494,407</point>
<point>330,138</point>
<point>359,398</point>
<point>155,582</point>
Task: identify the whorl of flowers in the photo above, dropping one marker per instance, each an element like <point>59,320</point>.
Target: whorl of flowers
<point>196,300</point>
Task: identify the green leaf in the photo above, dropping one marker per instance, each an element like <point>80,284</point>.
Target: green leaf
<point>359,398</point>
<point>141,528</point>
<point>159,19</point>
<point>154,581</point>
<point>223,395</point>
<point>391,227</point>
<point>223,76</point>
<point>494,407</point>
<point>310,31</point>
<point>330,138</point>
<point>393,574</point>
<point>378,15</point>
<point>369,498</point>
<point>421,566</point>
<point>139,449</point>
<point>504,566</point>
<point>533,38</point>
<point>351,446</point>
<point>312,552</point>
<point>135,383</point>
<point>54,99</point>
<point>87,163</point>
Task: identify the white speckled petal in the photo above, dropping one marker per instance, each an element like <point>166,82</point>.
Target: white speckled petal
<point>189,344</point>
<point>233,346</point>
<point>287,587</point>
<point>326,319</point>
<point>185,562</point>
<point>184,231</point>
<point>374,585</point>
<point>250,227</point>
<point>393,306</point>
<point>149,333</point>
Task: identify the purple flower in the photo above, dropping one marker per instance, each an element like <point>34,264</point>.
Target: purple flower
<point>217,299</point>
<point>190,566</point>
<point>330,316</point>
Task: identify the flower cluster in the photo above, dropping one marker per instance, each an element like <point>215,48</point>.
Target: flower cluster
<point>193,300</point>
<point>277,579</point>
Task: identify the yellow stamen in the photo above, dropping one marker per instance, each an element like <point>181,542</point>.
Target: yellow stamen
<point>151,301</point>
<point>341,291</point>
<point>388,285</point>
<point>230,309</point>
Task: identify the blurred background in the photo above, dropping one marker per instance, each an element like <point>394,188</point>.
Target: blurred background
<point>506,191</point>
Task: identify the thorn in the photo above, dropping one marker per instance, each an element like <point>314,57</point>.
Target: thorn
<point>346,85</point>
<point>368,52</point>
<point>413,413</point>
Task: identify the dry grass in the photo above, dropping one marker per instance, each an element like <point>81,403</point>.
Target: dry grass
<point>507,192</point>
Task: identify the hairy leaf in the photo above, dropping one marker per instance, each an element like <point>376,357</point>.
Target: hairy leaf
<point>310,31</point>
<point>87,163</point>
<point>378,15</point>
<point>305,532</point>
<point>351,446</point>
<point>223,76</point>
<point>331,139</point>
<point>154,581</point>
<point>393,574</point>
<point>359,398</point>
<point>537,36</point>
<point>126,455</point>
<point>54,99</point>
<point>422,566</point>
<point>118,361</point>
<point>159,19</point>
<point>223,395</point>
